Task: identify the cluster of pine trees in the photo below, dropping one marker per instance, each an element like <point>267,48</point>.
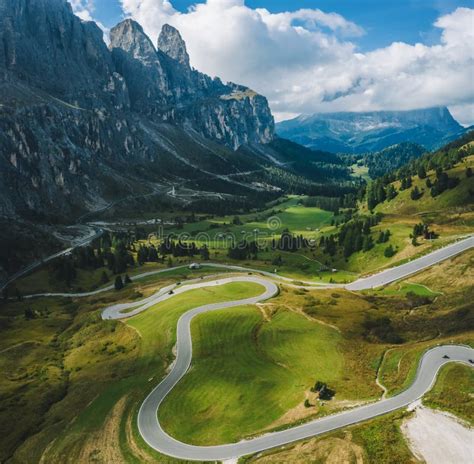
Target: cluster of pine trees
<point>290,242</point>
<point>298,185</point>
<point>382,189</point>
<point>179,249</point>
<point>243,250</point>
<point>441,183</point>
<point>113,251</point>
<point>333,204</point>
<point>422,230</point>
<point>355,235</point>
<point>391,158</point>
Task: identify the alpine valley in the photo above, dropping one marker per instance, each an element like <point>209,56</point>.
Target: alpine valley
<point>184,280</point>
<point>83,126</point>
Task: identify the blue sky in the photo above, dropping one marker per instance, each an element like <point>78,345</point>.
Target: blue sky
<point>385,21</point>
<point>311,56</point>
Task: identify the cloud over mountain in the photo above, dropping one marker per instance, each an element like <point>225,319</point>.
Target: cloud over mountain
<point>307,60</point>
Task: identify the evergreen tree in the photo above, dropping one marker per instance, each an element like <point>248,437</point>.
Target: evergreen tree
<point>118,283</point>
<point>415,194</point>
<point>418,229</point>
<point>104,278</point>
<point>389,251</point>
<point>204,251</point>
<point>371,198</point>
<point>349,241</point>
<point>368,243</point>
<point>391,192</point>
<point>421,172</point>
<point>330,246</point>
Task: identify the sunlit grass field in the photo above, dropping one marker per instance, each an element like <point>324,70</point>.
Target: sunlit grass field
<point>248,371</point>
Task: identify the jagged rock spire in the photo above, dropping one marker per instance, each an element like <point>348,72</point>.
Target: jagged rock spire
<point>172,44</point>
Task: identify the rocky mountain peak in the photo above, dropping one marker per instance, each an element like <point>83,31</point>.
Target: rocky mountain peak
<point>130,37</point>
<point>172,44</point>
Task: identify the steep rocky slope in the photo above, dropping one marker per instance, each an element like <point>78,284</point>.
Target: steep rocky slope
<point>82,125</point>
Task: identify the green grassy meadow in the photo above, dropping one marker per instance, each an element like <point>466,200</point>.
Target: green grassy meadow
<point>248,371</point>
<point>454,391</point>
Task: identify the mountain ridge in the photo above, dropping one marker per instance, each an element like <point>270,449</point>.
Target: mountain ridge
<point>353,132</point>
<point>85,123</point>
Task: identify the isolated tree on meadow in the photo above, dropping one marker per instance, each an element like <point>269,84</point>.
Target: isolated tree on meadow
<point>415,194</point>
<point>389,251</point>
<point>421,172</point>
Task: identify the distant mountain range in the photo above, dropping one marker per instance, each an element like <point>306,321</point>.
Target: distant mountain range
<point>372,131</point>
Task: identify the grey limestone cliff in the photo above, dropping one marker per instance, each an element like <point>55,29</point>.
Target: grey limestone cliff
<point>82,124</point>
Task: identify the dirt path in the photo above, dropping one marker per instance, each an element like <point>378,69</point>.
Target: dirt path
<point>377,375</point>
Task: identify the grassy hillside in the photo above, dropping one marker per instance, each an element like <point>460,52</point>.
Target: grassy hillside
<point>454,392</point>
<point>450,215</point>
<point>249,370</point>
<point>377,441</point>
<point>459,199</point>
<point>79,380</point>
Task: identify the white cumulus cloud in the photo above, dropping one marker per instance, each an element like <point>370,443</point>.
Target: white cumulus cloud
<point>307,60</point>
<point>84,9</point>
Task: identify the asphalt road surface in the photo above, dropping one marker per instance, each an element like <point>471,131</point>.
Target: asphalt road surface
<point>377,280</point>
<point>412,267</point>
<point>157,438</point>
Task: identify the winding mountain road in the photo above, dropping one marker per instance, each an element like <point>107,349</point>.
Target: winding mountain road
<point>148,423</point>
<point>151,430</point>
<point>412,267</point>
<point>157,438</point>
